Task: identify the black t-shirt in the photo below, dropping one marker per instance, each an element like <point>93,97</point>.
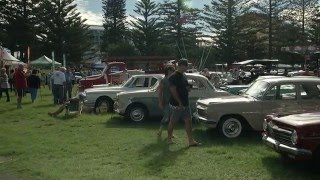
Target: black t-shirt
<point>33,81</point>
<point>179,81</point>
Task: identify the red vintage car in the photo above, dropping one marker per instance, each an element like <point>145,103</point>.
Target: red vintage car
<point>295,136</point>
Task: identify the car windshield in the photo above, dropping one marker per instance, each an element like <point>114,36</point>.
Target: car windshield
<point>257,89</point>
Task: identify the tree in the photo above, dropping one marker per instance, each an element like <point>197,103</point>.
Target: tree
<point>273,9</point>
<point>181,26</point>
<point>63,31</point>
<point>220,18</point>
<point>114,22</point>
<point>146,28</point>
<point>302,11</point>
<point>19,27</point>
<point>314,31</point>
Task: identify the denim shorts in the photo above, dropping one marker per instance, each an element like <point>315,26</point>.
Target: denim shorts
<point>177,114</point>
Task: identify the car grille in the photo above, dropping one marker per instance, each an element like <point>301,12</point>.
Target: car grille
<point>281,135</point>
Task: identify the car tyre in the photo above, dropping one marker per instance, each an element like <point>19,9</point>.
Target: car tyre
<point>137,113</point>
<point>231,127</point>
<point>103,104</point>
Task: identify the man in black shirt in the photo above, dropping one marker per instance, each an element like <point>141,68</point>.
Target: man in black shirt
<point>179,101</point>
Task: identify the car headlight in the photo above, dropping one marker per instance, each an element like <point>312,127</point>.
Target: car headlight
<point>294,137</point>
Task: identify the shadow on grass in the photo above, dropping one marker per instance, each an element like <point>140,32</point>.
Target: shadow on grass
<point>44,105</point>
<point>211,137</point>
<point>116,121</point>
<point>281,168</point>
<point>160,156</point>
<point>7,110</point>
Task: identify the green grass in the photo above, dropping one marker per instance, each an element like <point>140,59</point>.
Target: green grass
<point>107,147</point>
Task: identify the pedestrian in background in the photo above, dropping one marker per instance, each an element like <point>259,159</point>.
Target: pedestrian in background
<point>11,80</point>
<point>34,83</point>
<point>164,98</point>
<point>69,84</point>
<point>58,82</point>
<point>20,84</point>
<point>4,84</point>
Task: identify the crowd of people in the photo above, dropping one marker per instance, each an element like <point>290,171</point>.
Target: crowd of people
<point>20,82</point>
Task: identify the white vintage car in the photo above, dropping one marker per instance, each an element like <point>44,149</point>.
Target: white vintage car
<point>139,105</point>
<point>101,99</point>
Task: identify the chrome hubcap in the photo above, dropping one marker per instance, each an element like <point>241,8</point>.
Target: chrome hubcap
<point>137,115</point>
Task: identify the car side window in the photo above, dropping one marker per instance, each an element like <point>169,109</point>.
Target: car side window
<point>287,92</point>
<point>141,82</point>
<point>153,82</point>
<point>282,92</point>
<point>271,94</point>
<point>195,84</point>
<point>310,91</point>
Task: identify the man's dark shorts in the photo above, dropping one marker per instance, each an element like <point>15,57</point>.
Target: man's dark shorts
<point>177,114</point>
<point>20,92</point>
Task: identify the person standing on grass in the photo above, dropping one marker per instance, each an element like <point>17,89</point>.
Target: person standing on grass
<point>34,83</point>
<point>4,84</point>
<point>164,97</point>
<point>68,88</point>
<point>20,84</point>
<point>11,81</point>
<point>58,82</point>
<point>179,102</point>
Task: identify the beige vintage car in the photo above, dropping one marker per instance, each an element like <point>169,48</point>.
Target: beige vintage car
<point>232,114</point>
<point>141,104</point>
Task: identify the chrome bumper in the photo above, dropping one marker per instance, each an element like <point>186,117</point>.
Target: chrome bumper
<point>210,123</point>
<point>274,144</point>
<point>117,109</point>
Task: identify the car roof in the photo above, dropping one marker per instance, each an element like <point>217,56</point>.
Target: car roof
<point>195,75</point>
<point>158,76</point>
<point>293,79</point>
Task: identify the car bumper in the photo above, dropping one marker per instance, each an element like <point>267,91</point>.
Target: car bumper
<point>89,104</point>
<point>210,123</point>
<point>295,153</point>
<point>118,109</point>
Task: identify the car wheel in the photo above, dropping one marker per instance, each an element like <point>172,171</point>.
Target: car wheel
<point>231,127</point>
<point>137,113</point>
<point>103,105</point>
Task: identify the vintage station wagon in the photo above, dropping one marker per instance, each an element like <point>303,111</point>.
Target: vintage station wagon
<point>232,114</point>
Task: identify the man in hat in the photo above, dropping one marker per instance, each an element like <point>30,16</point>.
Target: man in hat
<point>179,102</point>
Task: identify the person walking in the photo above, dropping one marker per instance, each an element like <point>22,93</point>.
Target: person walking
<point>179,102</point>
<point>164,97</point>
<point>4,84</point>
<point>20,84</point>
<point>58,82</point>
<point>34,83</point>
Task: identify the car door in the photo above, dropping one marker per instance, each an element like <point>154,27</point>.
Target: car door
<point>309,97</point>
<point>281,99</point>
<point>197,91</point>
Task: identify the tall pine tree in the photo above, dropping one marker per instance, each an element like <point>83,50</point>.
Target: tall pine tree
<point>221,19</point>
<point>181,26</point>
<point>63,31</point>
<point>146,28</point>
<point>114,22</point>
<point>19,25</point>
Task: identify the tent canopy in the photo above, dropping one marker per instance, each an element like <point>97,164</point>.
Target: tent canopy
<point>5,56</point>
<point>43,61</point>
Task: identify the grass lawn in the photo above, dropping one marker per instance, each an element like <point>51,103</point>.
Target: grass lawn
<point>36,146</point>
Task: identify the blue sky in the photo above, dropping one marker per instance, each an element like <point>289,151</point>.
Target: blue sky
<point>92,9</point>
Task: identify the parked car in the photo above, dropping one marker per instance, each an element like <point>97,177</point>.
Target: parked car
<point>102,98</point>
<point>285,95</point>
<point>295,136</point>
<point>139,105</point>
<point>77,76</point>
